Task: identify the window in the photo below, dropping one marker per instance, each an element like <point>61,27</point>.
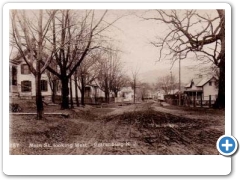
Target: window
<point>44,85</point>
<point>210,83</point>
<point>13,76</point>
<point>25,69</point>
<point>26,86</point>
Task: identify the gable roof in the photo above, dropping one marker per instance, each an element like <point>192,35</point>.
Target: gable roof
<point>199,82</point>
<point>17,58</point>
<point>188,85</point>
<point>204,81</point>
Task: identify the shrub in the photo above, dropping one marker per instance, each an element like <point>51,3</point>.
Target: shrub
<point>13,107</point>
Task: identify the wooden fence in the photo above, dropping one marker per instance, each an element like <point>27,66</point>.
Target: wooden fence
<point>206,101</point>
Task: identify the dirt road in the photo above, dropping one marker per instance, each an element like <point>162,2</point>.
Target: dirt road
<point>144,128</point>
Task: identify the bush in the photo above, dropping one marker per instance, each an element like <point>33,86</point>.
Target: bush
<point>13,107</point>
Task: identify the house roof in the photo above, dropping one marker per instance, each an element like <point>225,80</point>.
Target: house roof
<point>199,82</point>
<point>16,56</point>
<point>160,91</point>
<point>175,91</point>
<point>188,85</point>
<point>204,81</point>
<point>126,89</point>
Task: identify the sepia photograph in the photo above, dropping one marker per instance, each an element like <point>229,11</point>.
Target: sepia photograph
<point>116,81</point>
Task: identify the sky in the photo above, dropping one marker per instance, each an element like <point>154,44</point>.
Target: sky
<point>133,35</point>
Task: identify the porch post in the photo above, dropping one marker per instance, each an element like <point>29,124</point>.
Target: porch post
<point>209,101</point>
<point>196,97</point>
<point>201,100</point>
<point>189,99</point>
<point>192,97</point>
<point>194,101</point>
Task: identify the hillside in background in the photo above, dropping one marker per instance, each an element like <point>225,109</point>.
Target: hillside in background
<point>187,73</point>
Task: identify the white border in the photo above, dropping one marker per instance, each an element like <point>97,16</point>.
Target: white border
<point>114,164</point>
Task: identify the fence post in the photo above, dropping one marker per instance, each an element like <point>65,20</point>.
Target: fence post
<point>209,100</point>
<point>194,101</point>
<point>201,101</point>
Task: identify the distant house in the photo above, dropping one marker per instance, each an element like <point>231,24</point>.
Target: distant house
<point>173,92</point>
<point>92,93</point>
<point>202,88</point>
<point>125,94</point>
<point>148,95</point>
<point>160,95</point>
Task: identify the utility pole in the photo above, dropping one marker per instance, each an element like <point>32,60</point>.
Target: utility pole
<point>179,92</point>
<point>134,90</point>
<point>171,83</point>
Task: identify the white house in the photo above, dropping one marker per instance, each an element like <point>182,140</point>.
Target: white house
<point>92,93</point>
<point>160,95</point>
<point>125,94</point>
<point>202,88</point>
<point>22,83</point>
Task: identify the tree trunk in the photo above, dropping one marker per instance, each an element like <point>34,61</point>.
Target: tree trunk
<point>39,101</point>
<point>76,89</point>
<point>54,90</point>
<point>220,101</point>
<point>82,91</point>
<point>71,95</point>
<point>65,93</point>
<point>106,96</point>
<point>134,91</point>
<point>115,93</point>
<point>82,97</point>
<point>106,91</point>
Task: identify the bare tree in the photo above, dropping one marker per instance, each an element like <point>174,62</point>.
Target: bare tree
<point>87,73</point>
<point>68,54</point>
<point>111,77</point>
<point>194,32</point>
<point>53,81</point>
<point>29,33</point>
<point>103,80</point>
<point>118,77</point>
<point>118,82</point>
<point>134,82</point>
<point>76,88</point>
<point>106,69</point>
<point>167,83</point>
<point>75,34</point>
